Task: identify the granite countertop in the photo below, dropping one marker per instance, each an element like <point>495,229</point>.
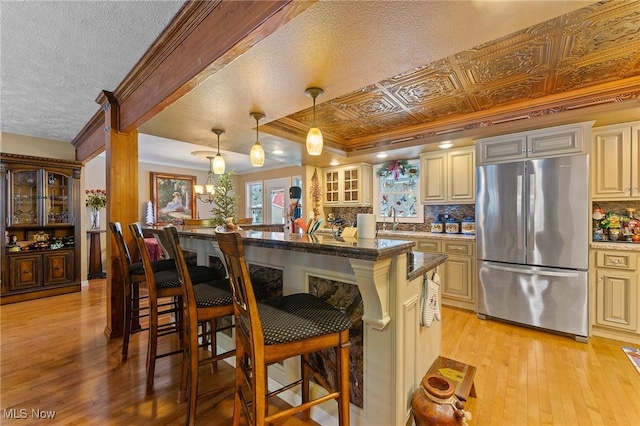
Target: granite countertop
<point>423,262</point>
<point>608,245</point>
<point>369,249</point>
<point>419,234</point>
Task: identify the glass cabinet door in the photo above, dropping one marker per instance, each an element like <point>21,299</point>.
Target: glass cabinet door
<point>24,206</point>
<point>57,199</point>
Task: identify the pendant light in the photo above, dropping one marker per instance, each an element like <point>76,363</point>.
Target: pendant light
<point>257,152</point>
<point>218,165</point>
<point>314,137</point>
<point>206,192</point>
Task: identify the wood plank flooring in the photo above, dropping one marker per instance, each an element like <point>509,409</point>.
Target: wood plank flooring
<point>54,357</point>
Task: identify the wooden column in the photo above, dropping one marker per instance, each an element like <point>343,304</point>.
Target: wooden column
<point>122,204</point>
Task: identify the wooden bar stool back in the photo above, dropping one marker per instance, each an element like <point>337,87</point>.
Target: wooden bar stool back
<point>133,276</point>
<point>204,304</point>
<point>281,328</point>
<point>161,286</point>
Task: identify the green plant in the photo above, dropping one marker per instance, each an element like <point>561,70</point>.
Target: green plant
<point>96,198</point>
<point>225,200</point>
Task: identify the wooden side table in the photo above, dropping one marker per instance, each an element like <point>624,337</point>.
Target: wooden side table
<point>460,374</point>
<point>95,254</point>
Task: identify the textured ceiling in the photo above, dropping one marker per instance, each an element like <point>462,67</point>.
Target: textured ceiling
<point>57,56</point>
<point>389,70</point>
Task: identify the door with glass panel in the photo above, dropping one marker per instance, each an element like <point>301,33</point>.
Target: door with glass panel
<point>276,200</point>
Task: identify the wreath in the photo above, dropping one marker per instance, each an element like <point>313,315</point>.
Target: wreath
<point>397,168</point>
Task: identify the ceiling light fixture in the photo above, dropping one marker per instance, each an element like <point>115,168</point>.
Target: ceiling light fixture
<point>218,165</point>
<point>445,145</point>
<point>257,152</point>
<point>205,192</point>
<point>382,155</point>
<point>314,137</point>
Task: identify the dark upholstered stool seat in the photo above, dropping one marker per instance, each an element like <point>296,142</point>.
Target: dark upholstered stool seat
<point>298,317</point>
<point>214,293</point>
<point>157,266</point>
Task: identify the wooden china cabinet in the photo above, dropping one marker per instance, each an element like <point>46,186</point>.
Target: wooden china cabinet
<point>40,221</point>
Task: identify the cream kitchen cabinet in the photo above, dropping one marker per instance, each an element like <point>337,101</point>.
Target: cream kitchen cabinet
<point>458,273</point>
<point>348,185</point>
<point>615,162</point>
<point>448,177</point>
<point>616,294</point>
<point>556,141</point>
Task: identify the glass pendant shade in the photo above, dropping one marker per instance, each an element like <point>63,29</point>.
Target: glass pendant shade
<point>314,141</point>
<point>211,189</point>
<point>314,137</point>
<point>257,155</point>
<point>218,164</point>
<point>199,189</point>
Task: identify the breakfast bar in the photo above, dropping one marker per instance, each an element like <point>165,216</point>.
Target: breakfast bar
<point>378,282</point>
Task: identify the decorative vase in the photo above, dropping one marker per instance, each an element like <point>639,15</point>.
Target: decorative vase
<point>95,218</point>
<point>434,403</point>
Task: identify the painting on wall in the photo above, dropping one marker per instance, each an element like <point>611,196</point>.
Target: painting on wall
<point>173,197</point>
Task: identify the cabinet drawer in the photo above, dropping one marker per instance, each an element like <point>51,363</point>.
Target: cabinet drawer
<point>429,246</point>
<point>25,271</point>
<point>457,247</point>
<point>616,259</point>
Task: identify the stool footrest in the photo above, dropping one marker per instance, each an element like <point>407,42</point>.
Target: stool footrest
<point>460,374</point>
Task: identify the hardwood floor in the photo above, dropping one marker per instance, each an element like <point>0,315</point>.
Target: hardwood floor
<point>54,357</point>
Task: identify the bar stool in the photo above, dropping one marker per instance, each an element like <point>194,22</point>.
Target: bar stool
<point>280,328</point>
<point>133,276</point>
<point>161,285</point>
<point>203,304</point>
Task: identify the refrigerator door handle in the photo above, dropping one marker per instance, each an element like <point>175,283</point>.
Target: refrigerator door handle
<point>519,218</point>
<point>528,271</point>
<point>531,225</point>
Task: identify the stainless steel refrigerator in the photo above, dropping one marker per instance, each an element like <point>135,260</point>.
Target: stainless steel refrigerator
<point>532,226</point>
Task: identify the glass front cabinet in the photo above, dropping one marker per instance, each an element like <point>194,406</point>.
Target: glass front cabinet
<point>40,222</point>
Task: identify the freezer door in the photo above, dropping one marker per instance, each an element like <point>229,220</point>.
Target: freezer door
<point>500,212</point>
<point>558,212</point>
<point>549,298</point>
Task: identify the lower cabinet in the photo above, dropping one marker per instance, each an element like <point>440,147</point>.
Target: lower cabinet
<point>29,271</point>
<point>616,293</point>
<point>458,273</point>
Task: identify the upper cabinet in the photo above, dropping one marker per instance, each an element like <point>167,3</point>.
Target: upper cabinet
<point>616,162</point>
<point>448,177</point>
<point>556,141</point>
<point>348,185</point>
<point>40,197</point>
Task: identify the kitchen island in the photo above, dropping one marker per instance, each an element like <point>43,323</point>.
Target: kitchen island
<point>390,350</point>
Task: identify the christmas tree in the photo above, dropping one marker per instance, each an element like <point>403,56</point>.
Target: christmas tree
<point>150,219</point>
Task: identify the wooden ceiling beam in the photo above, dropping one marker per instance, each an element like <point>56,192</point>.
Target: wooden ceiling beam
<point>202,38</point>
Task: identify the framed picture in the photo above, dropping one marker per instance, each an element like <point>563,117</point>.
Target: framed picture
<point>173,197</point>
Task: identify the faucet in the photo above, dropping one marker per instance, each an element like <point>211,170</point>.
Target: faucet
<point>395,218</point>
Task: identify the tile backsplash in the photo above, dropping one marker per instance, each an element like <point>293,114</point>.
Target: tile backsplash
<point>431,212</point>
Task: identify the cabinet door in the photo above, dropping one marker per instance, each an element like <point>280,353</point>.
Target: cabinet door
<point>458,278</point>
<point>24,195</point>
<point>611,163</point>
<point>433,180</point>
<point>57,196</point>
<point>461,185</point>
<point>58,267</point>
<point>501,149</point>
<point>351,191</point>
<point>25,272</point>
<point>331,187</point>
<point>635,162</point>
<point>554,142</point>
<point>616,299</point>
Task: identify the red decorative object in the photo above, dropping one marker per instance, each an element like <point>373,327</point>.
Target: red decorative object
<point>434,403</point>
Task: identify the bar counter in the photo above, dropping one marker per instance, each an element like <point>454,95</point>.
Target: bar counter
<point>379,283</point>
